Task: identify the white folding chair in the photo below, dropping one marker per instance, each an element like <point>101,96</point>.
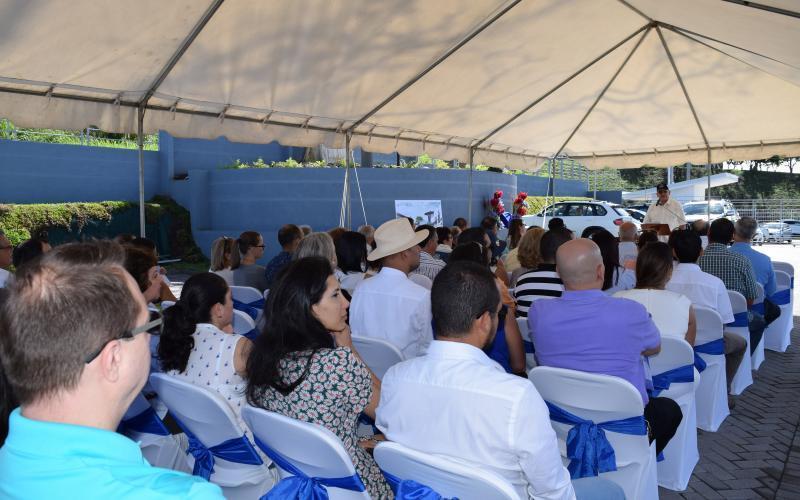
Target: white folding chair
<point>309,448</point>
<point>777,336</point>
<point>378,354</point>
<point>447,478</point>
<point>711,396</point>
<point>758,354</point>
<point>603,398</point>
<point>246,294</point>
<point>266,293</point>
<point>166,304</point>
<point>680,455</point>
<point>211,420</point>
<point>242,323</point>
<point>785,267</point>
<point>142,424</point>
<point>530,358</point>
<point>744,374</point>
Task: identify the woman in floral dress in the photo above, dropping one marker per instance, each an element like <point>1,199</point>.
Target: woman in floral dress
<point>304,365</point>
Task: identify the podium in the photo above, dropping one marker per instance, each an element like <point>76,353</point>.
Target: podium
<point>660,229</point>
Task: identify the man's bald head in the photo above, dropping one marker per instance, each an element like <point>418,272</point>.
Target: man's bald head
<point>627,231</point>
<point>580,265</point>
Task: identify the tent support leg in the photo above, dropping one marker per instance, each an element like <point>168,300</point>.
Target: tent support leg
<point>140,144</point>
<point>348,165</point>
<point>469,194</point>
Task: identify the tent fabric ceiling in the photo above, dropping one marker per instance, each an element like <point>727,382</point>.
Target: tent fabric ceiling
<point>618,83</point>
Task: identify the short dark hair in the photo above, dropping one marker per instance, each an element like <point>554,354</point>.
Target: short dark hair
<point>556,223</point>
<point>686,244</point>
<point>648,236</point>
<point>138,263</point>
<point>489,222</point>
<point>145,244</point>
<point>700,226</point>
<point>454,313</point>
<point>476,234</point>
<point>26,252</point>
<point>431,234</point>
<point>551,240</point>
<point>443,234</point>
<point>288,234</point>
<point>653,265</point>
<point>59,309</point>
<point>721,231</point>
<point>460,222</point>
<point>471,251</point>
<point>198,296</point>
<point>351,252</point>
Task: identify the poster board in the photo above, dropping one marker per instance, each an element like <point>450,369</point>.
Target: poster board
<point>422,211</point>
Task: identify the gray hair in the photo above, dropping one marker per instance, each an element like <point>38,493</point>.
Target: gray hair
<point>746,227</point>
<point>317,245</point>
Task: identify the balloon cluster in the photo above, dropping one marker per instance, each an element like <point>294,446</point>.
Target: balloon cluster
<point>520,206</point>
<point>497,203</point>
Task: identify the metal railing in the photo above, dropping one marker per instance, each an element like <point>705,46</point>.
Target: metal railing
<point>769,210</point>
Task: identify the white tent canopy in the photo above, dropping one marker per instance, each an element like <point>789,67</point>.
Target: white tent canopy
<point>617,83</point>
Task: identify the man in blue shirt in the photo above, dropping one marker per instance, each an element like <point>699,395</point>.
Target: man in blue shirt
<point>74,343</point>
<point>289,237</point>
<point>745,230</point>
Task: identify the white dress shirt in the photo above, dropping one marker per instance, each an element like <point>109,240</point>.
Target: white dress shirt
<point>703,289</point>
<point>670,213</point>
<point>4,277</point>
<point>391,307</point>
<point>458,403</point>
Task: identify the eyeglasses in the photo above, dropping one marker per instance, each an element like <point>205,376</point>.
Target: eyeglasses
<point>154,326</point>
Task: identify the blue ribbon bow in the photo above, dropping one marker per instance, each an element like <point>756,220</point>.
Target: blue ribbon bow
<point>739,319</point>
<point>250,308</point>
<point>146,422</point>
<point>781,297</point>
<point>759,308</point>
<point>715,347</point>
<point>588,448</point>
<point>411,490</point>
<point>238,450</point>
<point>300,486</point>
<point>662,381</point>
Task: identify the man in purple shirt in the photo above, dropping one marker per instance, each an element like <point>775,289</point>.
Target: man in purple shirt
<point>586,330</point>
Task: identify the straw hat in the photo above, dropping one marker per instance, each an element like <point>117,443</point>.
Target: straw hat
<point>395,236</point>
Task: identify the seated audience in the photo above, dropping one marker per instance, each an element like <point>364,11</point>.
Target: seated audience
<point>7,400</point>
<point>389,305</point>
<point>516,229</point>
<point>647,236</point>
<point>429,264</point>
<point>507,348</point>
<point>62,440</point>
<point>247,249</point>
<point>528,253</point>
<point>490,225</point>
<point>143,266</point>
<point>617,277</point>
<point>494,421</point>
<point>455,231</point>
<point>307,368</point>
<point>627,245</point>
<point>319,245</point>
<point>336,232</point>
<point>369,234</point>
<point>700,227</point>
<point>221,250</point>
<point>744,231</point>
<point>542,282</point>
<point>124,238</point>
<point>306,230</point>
<point>556,223</point>
<point>671,312</point>
<point>460,223</point>
<point>481,236</point>
<point>289,238</point>
<point>351,255</point>
<point>704,290</point>
<point>735,270</point>
<point>6,249</point>
<point>148,245</point>
<point>28,251</point>
<point>589,331</point>
<point>444,243</point>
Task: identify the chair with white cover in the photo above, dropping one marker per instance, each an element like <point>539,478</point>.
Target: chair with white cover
<point>711,396</point>
<point>675,377</point>
<point>777,335</point>
<point>301,451</point>
<point>266,293</point>
<point>215,438</point>
<point>785,267</point>
<point>744,374</point>
<point>248,299</point>
<point>530,359</point>
<point>758,306</point>
<point>243,324</point>
<point>166,304</point>
<point>141,424</point>
<point>603,400</point>
<point>378,354</point>
<point>446,477</point>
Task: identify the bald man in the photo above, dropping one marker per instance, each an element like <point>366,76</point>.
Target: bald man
<point>627,245</point>
<point>586,330</point>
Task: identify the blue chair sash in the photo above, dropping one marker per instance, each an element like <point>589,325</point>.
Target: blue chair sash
<point>662,381</point>
<point>715,347</point>
<point>252,334</point>
<point>146,422</point>
<point>528,347</point>
<point>759,308</point>
<point>781,297</point>
<point>300,486</point>
<point>250,308</point>
<point>411,490</point>
<point>238,450</point>
<point>588,449</point>
<point>739,319</point>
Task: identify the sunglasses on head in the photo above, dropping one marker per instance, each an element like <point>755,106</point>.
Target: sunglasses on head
<point>154,326</point>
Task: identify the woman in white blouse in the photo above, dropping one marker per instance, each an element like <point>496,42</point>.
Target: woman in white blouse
<point>671,312</point>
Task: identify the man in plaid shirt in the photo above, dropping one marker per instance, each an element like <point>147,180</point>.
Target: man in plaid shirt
<point>735,270</point>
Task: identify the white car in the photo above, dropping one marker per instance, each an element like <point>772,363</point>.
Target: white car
<point>581,215</point>
<point>794,225</point>
<point>778,232</point>
<point>696,210</point>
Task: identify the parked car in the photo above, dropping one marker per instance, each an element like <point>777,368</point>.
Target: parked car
<point>760,236</point>
<point>697,210</point>
<point>794,225</point>
<point>579,215</point>
<point>636,213</point>
<point>779,232</point>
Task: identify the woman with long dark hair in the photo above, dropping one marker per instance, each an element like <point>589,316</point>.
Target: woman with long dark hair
<point>617,277</point>
<point>304,365</point>
<point>351,256</point>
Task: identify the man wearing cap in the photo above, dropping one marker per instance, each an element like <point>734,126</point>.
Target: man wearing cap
<point>665,210</point>
<point>389,306</point>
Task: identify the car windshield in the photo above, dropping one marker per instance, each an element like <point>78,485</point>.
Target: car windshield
<point>700,208</point>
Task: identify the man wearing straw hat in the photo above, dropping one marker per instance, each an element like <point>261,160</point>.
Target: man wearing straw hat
<point>389,306</point>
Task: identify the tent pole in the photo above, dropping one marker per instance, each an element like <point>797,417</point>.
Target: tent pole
<point>469,195</point>
<point>708,189</point>
<point>347,166</point>
<point>140,144</point>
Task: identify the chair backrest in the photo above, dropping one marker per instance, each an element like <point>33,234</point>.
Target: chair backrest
<point>674,354</point>
<point>242,322</point>
<point>266,293</point>
<point>759,294</point>
<point>138,406</point>
<point>246,294</point>
<point>783,279</point>
<point>166,304</point>
<point>783,266</point>
<point>522,323</point>
<point>310,447</point>
<point>447,478</point>
<point>378,354</point>
<point>738,302</point>
<point>709,325</point>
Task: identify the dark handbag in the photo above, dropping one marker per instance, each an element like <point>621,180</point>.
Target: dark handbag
<point>771,311</point>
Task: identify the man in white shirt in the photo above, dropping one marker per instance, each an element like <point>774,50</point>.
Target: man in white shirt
<point>665,210</point>
<point>458,403</point>
<point>5,258</point>
<point>705,290</point>
<point>389,305</point>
